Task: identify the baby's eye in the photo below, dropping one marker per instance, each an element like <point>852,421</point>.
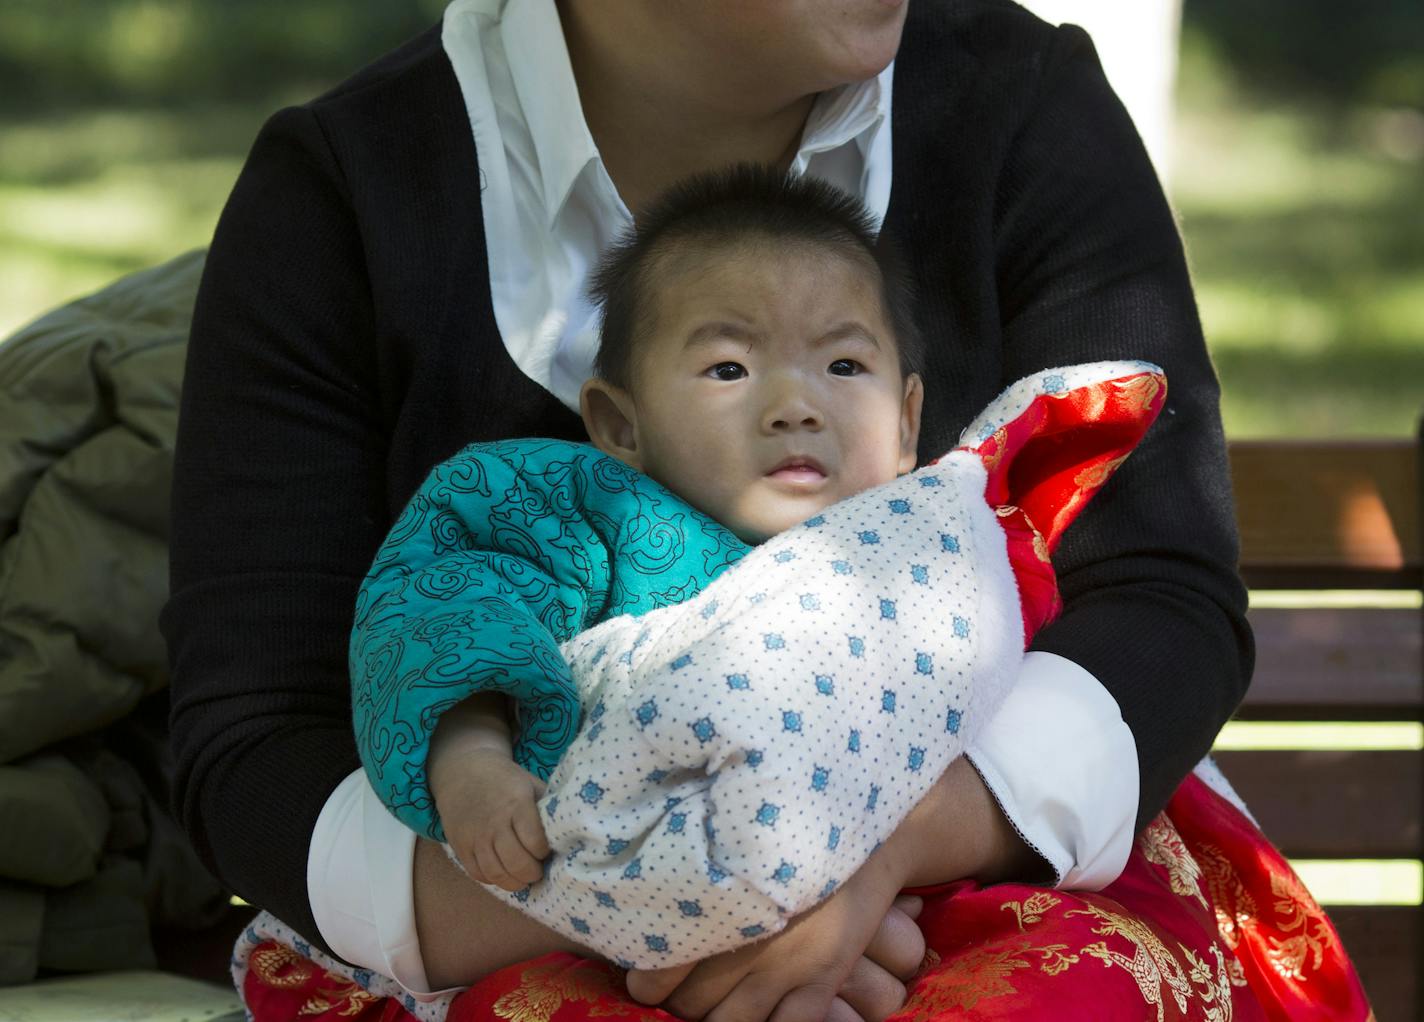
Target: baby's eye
<point>845,367</point>
<point>727,371</point>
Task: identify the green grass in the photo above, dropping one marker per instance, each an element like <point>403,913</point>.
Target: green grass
<point>1302,230</point>
<point>87,196</point>
<point>1301,226</point>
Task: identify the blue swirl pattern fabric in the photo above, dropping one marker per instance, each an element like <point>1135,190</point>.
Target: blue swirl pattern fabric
<point>506,550</point>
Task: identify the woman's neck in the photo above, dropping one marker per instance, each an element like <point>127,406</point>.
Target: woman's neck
<point>657,118</point>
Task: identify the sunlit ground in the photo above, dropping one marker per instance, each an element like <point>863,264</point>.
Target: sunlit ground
<point>87,197</point>
<point>1309,263</point>
<point>1302,227</point>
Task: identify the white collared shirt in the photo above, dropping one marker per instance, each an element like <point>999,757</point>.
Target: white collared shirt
<point>1058,758</point>
<point>550,208</point>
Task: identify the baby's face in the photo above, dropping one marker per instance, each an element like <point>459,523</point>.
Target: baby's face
<point>770,387</point>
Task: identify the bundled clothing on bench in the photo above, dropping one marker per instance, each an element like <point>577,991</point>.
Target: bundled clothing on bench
<point>91,859</point>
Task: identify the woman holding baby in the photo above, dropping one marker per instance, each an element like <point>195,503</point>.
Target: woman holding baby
<point>401,270</point>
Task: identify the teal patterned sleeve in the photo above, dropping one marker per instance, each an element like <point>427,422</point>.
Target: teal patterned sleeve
<point>505,551</point>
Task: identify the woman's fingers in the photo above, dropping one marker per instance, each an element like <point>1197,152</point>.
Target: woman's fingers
<point>873,993</point>
<point>762,996</point>
<point>910,904</point>
<point>840,1011</point>
<point>711,981</point>
<point>652,986</point>
<point>898,946</point>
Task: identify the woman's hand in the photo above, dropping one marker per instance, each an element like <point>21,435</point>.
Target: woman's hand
<point>846,960</point>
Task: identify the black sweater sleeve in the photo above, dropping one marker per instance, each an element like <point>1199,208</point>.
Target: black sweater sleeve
<point>278,505</point>
<point>1090,266</point>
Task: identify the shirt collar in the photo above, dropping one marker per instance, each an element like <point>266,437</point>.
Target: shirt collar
<point>852,112</point>
<point>544,83</point>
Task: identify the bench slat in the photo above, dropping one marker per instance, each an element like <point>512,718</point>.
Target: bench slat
<point>1387,946</point>
<point>1328,514</point>
<point>1316,804</point>
<point>1336,663</point>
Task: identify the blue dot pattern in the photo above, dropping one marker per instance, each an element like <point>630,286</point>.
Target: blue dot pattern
<point>842,658</point>
<point>803,777</point>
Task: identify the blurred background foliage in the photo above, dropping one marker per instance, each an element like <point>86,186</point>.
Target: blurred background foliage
<point>1298,173</point>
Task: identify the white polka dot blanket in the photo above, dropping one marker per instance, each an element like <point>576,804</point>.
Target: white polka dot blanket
<point>743,753</point>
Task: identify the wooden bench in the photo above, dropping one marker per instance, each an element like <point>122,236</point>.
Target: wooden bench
<point>1314,515</point>
<point>1331,515</point>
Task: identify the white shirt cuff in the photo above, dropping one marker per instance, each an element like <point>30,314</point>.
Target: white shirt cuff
<point>1062,765</point>
<point>360,881</point>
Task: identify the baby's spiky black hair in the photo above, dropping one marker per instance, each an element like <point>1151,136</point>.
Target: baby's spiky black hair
<point>745,202</point>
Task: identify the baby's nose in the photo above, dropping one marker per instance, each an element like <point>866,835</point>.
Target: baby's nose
<point>809,421</point>
<point>793,411</point>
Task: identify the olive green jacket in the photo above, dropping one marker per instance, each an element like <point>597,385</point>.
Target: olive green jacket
<point>90,857</point>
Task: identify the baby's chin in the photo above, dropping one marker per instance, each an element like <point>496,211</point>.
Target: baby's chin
<point>756,533</point>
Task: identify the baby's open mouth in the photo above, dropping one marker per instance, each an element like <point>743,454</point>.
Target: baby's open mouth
<point>798,469</point>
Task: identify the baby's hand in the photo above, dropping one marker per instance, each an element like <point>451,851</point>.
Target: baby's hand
<point>491,821</point>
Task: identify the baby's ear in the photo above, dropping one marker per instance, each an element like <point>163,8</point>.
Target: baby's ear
<point>910,409</point>
<point>611,419</point>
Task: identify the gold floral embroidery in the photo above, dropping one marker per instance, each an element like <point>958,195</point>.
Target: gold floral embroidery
<point>999,439</point>
<point>930,961</point>
<point>1094,476</point>
<point>1040,545</point>
<point>1140,390</point>
<point>975,974</point>
<point>1215,984</point>
<point>278,966</point>
<point>1300,918</point>
<point>1055,958</point>
<point>1032,908</point>
<point>1151,965</point>
<point>346,998</point>
<point>1235,907</point>
<point>1162,845</point>
<point>970,977</point>
<point>544,987</point>
<point>282,968</point>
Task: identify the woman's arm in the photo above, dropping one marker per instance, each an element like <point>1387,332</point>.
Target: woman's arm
<point>1090,266</point>
<point>278,504</point>
<point>464,931</point>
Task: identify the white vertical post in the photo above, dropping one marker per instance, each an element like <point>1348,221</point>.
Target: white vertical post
<point>1137,43</point>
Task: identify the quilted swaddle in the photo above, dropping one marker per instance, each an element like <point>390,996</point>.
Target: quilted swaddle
<point>742,750</point>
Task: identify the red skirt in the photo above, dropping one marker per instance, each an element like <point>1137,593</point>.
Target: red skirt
<point>1208,922</point>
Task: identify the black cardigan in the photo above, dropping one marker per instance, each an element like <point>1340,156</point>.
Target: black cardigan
<point>344,342</point>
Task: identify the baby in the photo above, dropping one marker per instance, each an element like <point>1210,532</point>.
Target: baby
<point>758,359</point>
<point>722,747</point>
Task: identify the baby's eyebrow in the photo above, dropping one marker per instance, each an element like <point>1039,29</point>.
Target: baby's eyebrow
<point>846,331</point>
<point>721,329</point>
<point>727,330</point>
